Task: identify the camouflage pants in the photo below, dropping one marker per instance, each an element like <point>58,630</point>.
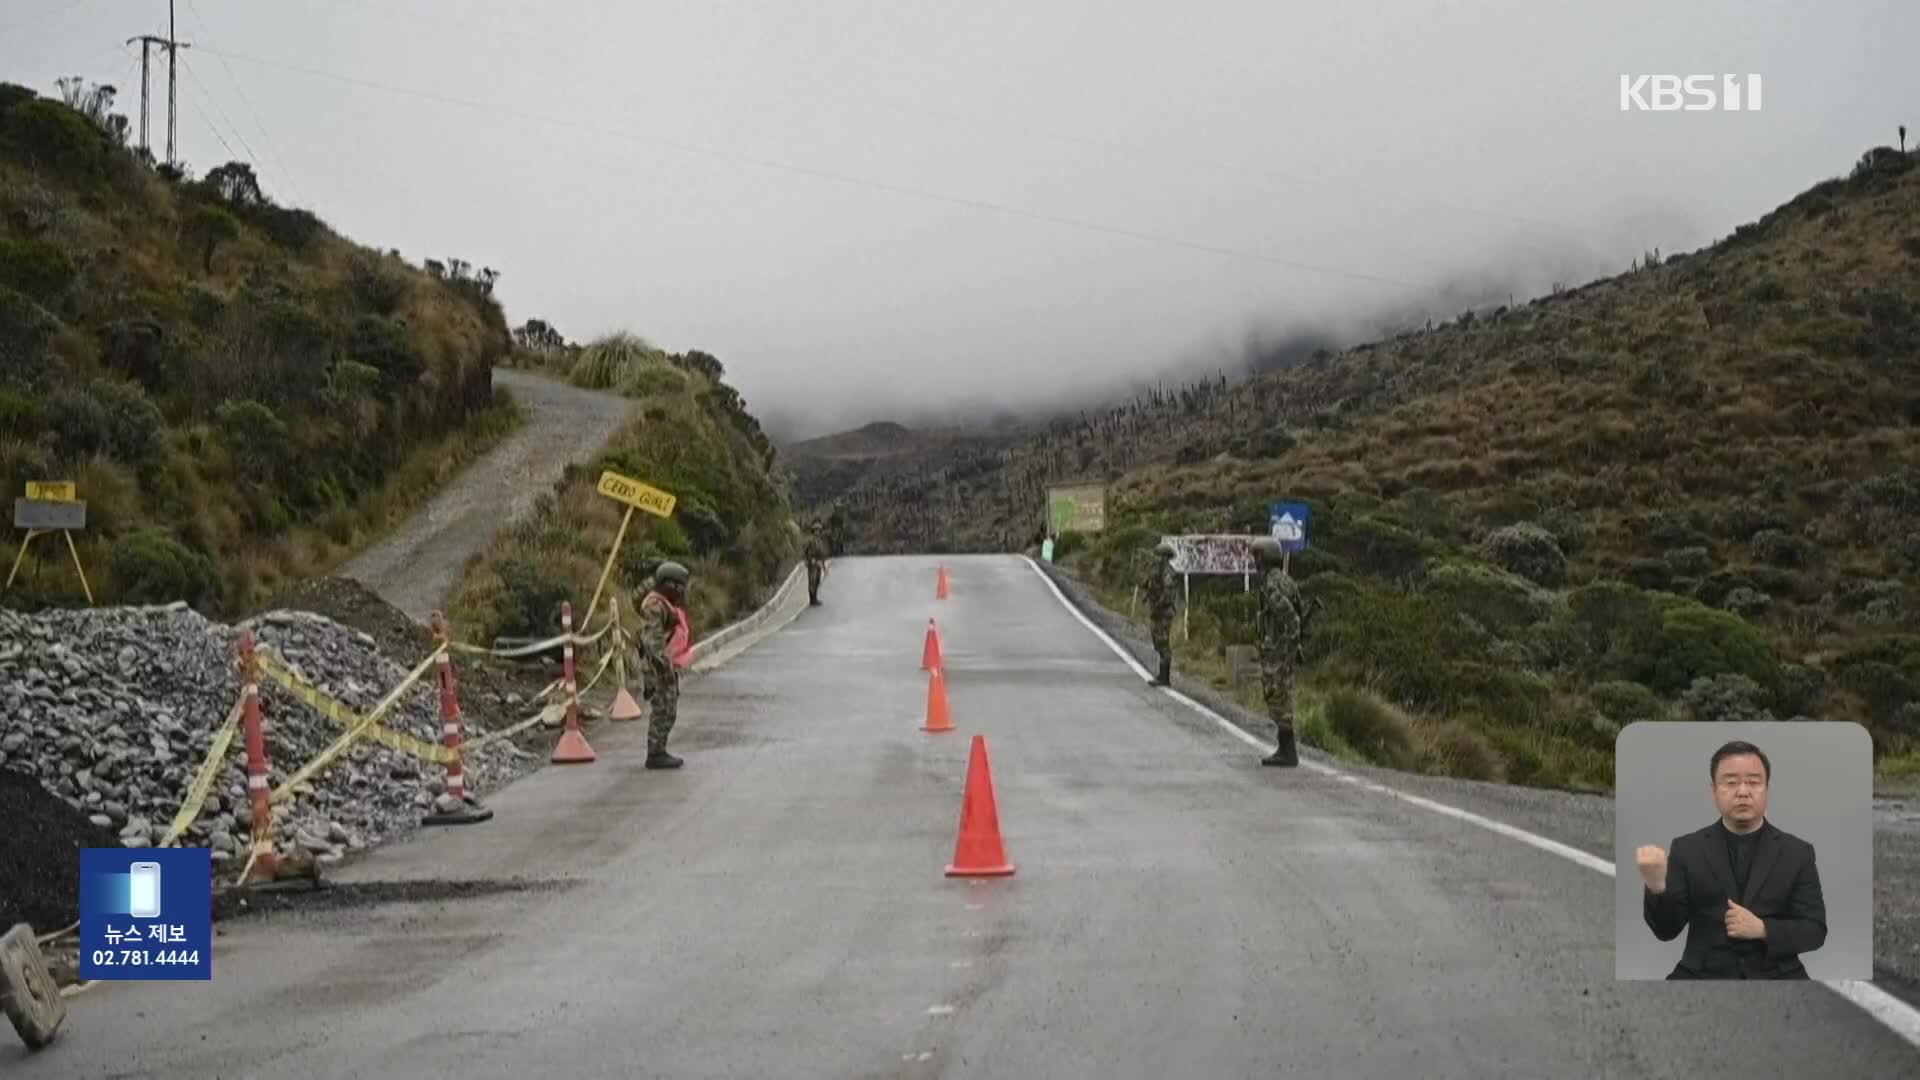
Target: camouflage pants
<point>663,704</point>
<point>813,581</point>
<point>1162,633</point>
<point>1276,680</point>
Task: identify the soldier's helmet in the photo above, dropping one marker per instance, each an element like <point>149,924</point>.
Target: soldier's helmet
<point>1268,551</point>
<point>1165,549</point>
<point>670,573</point>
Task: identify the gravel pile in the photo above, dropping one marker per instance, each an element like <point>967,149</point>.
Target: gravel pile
<point>113,710</point>
<point>40,842</point>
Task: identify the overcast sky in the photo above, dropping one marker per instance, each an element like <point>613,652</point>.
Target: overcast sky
<point>871,208</point>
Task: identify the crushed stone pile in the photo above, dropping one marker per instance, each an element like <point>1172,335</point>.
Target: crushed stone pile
<point>113,710</point>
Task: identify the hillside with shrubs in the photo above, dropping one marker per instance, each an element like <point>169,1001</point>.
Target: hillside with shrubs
<point>243,397</point>
<point>1691,490</point>
<point>691,435</point>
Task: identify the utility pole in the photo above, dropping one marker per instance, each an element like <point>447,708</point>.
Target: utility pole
<point>147,43</point>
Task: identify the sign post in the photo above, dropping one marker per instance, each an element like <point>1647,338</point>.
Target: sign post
<point>50,507</point>
<point>1201,553</point>
<point>1287,523</point>
<point>636,496</point>
<point>1076,508</point>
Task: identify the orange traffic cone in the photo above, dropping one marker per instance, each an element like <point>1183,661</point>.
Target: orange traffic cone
<point>624,707</point>
<point>941,592</point>
<point>937,718</point>
<point>978,852</point>
<point>930,656</point>
<point>572,749</point>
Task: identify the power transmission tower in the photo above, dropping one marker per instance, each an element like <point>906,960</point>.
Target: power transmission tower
<point>147,42</point>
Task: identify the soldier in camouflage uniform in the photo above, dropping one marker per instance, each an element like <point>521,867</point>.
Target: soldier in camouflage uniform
<point>1159,587</point>
<point>1281,621</point>
<point>658,621</point>
<point>816,552</point>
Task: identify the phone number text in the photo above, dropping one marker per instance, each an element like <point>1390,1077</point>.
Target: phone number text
<point>145,957</point>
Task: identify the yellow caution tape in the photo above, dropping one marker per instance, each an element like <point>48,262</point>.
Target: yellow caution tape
<point>344,715</point>
<point>358,731</point>
<point>209,772</point>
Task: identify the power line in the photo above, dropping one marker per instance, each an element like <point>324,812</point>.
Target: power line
<point>836,177</point>
<point>251,158</point>
<point>215,128</point>
<point>278,164</point>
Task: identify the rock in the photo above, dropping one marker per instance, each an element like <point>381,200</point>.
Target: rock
<point>124,701</point>
<point>135,842</point>
<point>101,820</point>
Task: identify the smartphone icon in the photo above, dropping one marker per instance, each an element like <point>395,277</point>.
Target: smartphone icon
<point>145,894</point>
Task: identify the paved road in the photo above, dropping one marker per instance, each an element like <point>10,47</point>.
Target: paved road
<point>777,908</point>
<point>417,567</point>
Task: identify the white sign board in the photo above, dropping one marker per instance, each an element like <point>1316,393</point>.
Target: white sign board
<point>1213,554</point>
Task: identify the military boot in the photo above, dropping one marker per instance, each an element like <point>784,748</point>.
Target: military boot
<point>660,759</point>
<point>1165,678</point>
<point>1285,753</point>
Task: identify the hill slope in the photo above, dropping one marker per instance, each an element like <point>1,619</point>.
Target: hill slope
<point>690,434</point>
<point>1691,489</point>
<point>242,395</point>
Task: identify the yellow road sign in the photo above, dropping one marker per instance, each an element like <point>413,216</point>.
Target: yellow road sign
<point>52,491</point>
<point>635,494</point>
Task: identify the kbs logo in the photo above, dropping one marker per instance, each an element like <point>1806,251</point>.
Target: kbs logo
<point>1666,93</point>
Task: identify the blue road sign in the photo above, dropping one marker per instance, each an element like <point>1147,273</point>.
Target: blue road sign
<point>1288,524</point>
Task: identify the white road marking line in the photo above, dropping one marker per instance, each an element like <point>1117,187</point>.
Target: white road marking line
<point>1898,1016</point>
<point>939,1010</point>
<point>959,963</point>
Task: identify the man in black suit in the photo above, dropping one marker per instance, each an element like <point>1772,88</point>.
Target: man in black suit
<point>1779,913</point>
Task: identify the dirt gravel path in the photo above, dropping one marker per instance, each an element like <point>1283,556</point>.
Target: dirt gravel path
<point>417,568</point>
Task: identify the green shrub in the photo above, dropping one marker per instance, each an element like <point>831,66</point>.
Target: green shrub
<point>134,430</point>
<point>653,378</point>
<point>1404,639</point>
<point>376,285</point>
<point>1371,725</point>
<point>1067,543</point>
<point>1500,601</point>
<point>1460,750</point>
<point>79,421</point>
<point>705,529</point>
<point>1626,702</point>
<point>152,566</point>
<point>1615,624</point>
<point>382,343</point>
<point>48,135</point>
<point>528,603</point>
<point>257,438</point>
<point>1885,672</point>
<point>1778,547</point>
<point>1688,562</point>
<point>21,414</point>
<point>1372,546</point>
<point>1527,550</point>
<point>1696,641</point>
<point>36,268</point>
<point>25,330</point>
<point>1726,698</point>
<point>609,361</point>
<point>1515,698</point>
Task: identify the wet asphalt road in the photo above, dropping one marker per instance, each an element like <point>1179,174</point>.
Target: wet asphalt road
<point>778,907</point>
